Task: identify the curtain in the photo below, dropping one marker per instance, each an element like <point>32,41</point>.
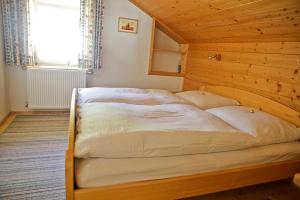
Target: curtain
<point>16,18</point>
<point>91,15</point>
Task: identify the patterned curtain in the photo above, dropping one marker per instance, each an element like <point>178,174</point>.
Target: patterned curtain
<point>16,18</point>
<point>91,15</point>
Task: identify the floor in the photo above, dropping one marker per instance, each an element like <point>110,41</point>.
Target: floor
<point>32,164</point>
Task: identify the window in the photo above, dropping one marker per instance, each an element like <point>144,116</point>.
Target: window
<point>56,32</point>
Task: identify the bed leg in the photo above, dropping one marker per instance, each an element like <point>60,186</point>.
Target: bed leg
<point>69,174</point>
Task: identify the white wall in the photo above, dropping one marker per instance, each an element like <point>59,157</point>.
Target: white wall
<point>125,57</point>
<point>4,107</point>
<point>17,84</point>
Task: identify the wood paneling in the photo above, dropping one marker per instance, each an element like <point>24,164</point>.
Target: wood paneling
<point>228,20</point>
<point>269,69</point>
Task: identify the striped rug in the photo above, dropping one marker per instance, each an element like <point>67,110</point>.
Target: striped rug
<point>32,157</point>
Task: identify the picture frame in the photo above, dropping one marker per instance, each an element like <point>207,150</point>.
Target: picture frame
<point>128,25</point>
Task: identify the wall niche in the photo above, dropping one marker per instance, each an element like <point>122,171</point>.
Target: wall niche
<point>168,51</point>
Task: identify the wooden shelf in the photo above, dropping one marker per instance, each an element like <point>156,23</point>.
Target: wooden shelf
<point>161,73</point>
<point>168,50</point>
<point>176,56</point>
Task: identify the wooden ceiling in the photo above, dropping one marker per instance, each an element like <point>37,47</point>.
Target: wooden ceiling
<point>228,20</point>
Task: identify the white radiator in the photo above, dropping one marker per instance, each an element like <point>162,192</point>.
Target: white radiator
<point>52,88</point>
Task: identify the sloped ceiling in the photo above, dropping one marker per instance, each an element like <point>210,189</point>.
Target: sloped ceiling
<point>228,20</point>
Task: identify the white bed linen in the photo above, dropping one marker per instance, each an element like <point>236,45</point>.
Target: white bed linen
<point>128,95</point>
<point>95,172</point>
<point>117,130</point>
<point>205,100</point>
<point>266,127</point>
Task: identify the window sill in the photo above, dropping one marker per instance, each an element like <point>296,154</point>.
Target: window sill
<point>54,68</point>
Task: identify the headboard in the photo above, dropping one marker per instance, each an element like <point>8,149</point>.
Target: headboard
<point>254,100</point>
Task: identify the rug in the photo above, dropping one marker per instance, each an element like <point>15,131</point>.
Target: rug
<point>32,157</point>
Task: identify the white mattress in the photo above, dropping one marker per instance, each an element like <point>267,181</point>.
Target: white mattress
<point>93,172</point>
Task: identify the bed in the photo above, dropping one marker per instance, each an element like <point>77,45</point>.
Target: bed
<point>177,172</point>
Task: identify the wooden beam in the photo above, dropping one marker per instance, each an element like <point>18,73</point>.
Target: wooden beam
<point>151,46</point>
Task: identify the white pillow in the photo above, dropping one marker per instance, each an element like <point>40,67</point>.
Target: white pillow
<point>267,128</point>
<point>206,100</point>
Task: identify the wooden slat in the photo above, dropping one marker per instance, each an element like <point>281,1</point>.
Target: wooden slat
<point>285,75</point>
<point>151,45</point>
<point>184,48</point>
<point>161,73</point>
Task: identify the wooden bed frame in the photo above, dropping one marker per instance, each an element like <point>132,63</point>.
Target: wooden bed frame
<point>192,185</point>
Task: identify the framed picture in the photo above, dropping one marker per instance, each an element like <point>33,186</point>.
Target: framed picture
<point>128,25</point>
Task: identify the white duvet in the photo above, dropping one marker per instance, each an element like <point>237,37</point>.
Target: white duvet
<point>128,95</point>
<point>118,130</point>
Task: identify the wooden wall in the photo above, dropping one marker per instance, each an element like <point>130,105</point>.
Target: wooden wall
<point>269,69</point>
<point>228,20</point>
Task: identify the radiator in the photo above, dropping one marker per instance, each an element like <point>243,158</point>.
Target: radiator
<point>52,88</point>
